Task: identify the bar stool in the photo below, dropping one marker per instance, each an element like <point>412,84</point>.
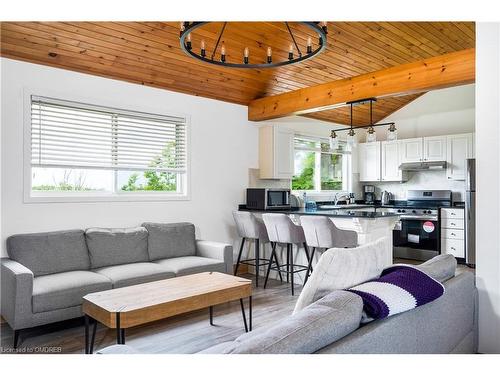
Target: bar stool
<point>282,230</point>
<point>321,233</point>
<point>250,227</point>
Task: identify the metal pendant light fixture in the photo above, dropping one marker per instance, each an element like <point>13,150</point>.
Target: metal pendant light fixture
<point>351,135</point>
<point>392,133</point>
<point>334,141</point>
<point>371,135</point>
<point>294,54</point>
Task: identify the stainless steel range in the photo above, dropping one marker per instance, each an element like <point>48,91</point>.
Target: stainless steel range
<point>418,235</point>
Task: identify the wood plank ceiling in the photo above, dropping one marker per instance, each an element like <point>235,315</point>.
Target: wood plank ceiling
<point>148,53</point>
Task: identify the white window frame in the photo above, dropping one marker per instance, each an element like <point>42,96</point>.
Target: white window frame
<point>96,196</point>
<point>346,169</point>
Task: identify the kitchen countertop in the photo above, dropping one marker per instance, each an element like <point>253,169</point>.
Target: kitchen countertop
<point>340,212</point>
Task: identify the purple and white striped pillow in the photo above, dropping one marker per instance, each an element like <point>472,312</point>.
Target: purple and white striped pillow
<point>399,288</point>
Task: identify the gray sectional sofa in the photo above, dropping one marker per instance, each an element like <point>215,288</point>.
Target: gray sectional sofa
<point>331,325</point>
<point>47,274</point>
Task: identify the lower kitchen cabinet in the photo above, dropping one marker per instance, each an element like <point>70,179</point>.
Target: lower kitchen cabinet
<point>452,232</point>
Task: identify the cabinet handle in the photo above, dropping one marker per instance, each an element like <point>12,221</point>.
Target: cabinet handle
<point>453,248</point>
<point>453,234</point>
<point>452,213</point>
<point>453,224</point>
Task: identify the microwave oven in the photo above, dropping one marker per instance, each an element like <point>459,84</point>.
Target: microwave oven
<point>268,199</point>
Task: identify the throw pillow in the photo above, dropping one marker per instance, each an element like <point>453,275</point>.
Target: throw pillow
<point>341,269</point>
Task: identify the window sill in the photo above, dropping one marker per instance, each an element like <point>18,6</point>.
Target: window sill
<point>85,198</point>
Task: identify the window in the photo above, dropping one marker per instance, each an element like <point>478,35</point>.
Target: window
<point>80,150</point>
<point>317,168</point>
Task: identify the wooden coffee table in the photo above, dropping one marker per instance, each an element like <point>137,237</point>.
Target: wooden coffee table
<point>143,303</point>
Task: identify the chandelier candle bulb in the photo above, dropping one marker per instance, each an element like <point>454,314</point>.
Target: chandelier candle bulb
<point>246,52</point>
<point>290,52</point>
<point>223,53</point>
<point>324,27</point>
<point>188,43</point>
<point>309,44</point>
<point>202,48</point>
<point>269,55</point>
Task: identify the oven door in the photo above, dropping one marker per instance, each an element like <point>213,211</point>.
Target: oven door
<point>416,239</point>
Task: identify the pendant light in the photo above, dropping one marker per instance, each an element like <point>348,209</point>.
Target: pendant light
<point>351,135</point>
<point>334,141</point>
<point>392,133</point>
<point>371,135</point>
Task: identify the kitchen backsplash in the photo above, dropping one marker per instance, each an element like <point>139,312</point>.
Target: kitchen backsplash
<point>423,180</point>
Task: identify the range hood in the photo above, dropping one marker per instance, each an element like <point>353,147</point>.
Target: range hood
<point>423,166</point>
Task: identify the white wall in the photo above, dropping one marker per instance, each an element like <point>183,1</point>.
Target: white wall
<point>488,184</point>
<point>223,147</point>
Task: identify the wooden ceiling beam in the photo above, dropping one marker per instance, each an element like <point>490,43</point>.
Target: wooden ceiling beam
<point>451,69</point>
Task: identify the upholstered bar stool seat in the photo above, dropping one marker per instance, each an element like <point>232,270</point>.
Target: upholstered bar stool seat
<point>282,230</point>
<point>321,234</point>
<point>250,227</point>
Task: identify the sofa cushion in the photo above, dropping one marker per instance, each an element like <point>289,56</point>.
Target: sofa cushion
<point>325,321</point>
<point>65,289</point>
<point>110,247</point>
<point>343,268</point>
<point>134,273</point>
<point>50,252</point>
<point>440,268</point>
<point>170,240</point>
<point>191,264</point>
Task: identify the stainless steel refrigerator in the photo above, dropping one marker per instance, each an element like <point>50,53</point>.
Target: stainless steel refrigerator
<point>470,213</point>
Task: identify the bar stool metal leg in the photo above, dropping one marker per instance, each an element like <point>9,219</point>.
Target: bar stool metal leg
<point>257,258</point>
<point>291,268</point>
<point>309,265</point>
<point>273,254</point>
<point>287,262</point>
<point>239,256</point>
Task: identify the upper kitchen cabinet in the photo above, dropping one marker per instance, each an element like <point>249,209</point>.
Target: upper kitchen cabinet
<point>459,148</point>
<point>411,150</point>
<point>390,161</point>
<point>369,161</point>
<point>434,148</point>
<point>423,149</point>
<point>275,152</point>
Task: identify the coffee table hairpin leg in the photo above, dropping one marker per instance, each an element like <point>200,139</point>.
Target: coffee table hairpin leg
<point>120,332</point>
<point>249,326</point>
<point>89,342</point>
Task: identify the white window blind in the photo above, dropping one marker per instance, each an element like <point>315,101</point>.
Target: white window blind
<point>75,135</point>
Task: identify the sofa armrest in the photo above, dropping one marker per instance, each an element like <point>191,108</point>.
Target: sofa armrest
<point>16,292</point>
<point>216,250</point>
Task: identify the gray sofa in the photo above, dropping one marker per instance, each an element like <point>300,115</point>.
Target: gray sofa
<point>47,274</point>
<point>332,324</point>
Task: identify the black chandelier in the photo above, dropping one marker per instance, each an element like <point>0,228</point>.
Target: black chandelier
<point>218,55</point>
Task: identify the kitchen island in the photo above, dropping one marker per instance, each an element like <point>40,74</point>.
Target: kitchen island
<point>370,224</point>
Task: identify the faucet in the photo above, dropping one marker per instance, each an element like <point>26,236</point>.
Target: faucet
<point>336,196</point>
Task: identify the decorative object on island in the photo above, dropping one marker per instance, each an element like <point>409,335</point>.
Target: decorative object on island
<point>305,30</point>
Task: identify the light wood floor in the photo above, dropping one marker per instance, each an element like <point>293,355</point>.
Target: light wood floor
<point>187,333</point>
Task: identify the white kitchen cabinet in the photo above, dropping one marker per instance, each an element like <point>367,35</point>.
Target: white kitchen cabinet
<point>434,148</point>
<point>411,150</point>
<point>390,161</point>
<point>275,152</point>
<point>369,161</point>
<point>459,147</point>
